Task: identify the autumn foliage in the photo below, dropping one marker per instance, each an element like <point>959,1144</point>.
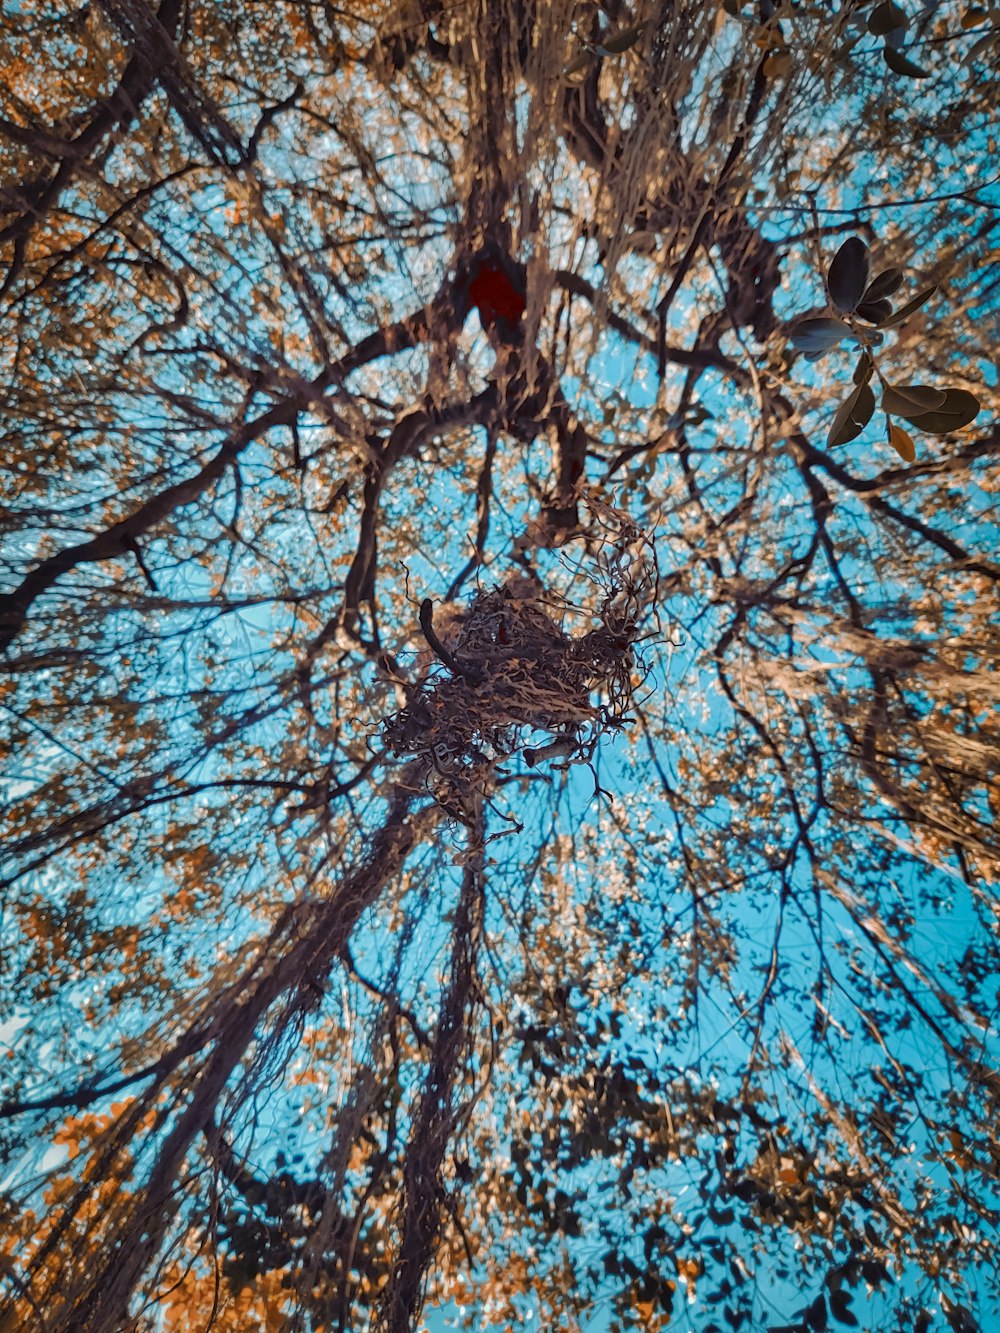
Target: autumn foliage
<point>498,629</point>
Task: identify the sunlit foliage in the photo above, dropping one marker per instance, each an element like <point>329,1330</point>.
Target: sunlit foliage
<point>498,611</point>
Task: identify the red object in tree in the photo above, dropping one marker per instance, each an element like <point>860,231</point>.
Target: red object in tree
<point>495,297</point>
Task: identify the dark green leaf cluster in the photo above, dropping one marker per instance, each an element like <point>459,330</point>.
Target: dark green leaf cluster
<point>859,296</point>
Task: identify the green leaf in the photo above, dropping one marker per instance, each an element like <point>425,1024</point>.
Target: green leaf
<point>957,410</point>
<point>579,63</point>
<point>905,311</point>
<point>875,1272</point>
<point>617,42</point>
<point>958,1316</point>
<point>981,47</point>
<point>848,274</point>
<point>903,398</point>
<point>886,18</point>
<point>901,64</point>
<point>840,1308</point>
<point>815,1315</point>
<point>883,284</point>
<point>874,311</point>
<point>853,416</point>
<point>817,336</point>
<point>865,368</point>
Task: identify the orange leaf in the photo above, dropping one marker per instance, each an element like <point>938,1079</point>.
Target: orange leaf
<point>902,441</point>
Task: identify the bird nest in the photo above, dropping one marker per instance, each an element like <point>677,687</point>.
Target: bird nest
<point>507,671</point>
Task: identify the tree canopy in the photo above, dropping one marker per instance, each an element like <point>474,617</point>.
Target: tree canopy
<point>498,610</point>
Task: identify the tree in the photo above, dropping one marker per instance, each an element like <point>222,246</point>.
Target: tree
<point>498,610</point>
